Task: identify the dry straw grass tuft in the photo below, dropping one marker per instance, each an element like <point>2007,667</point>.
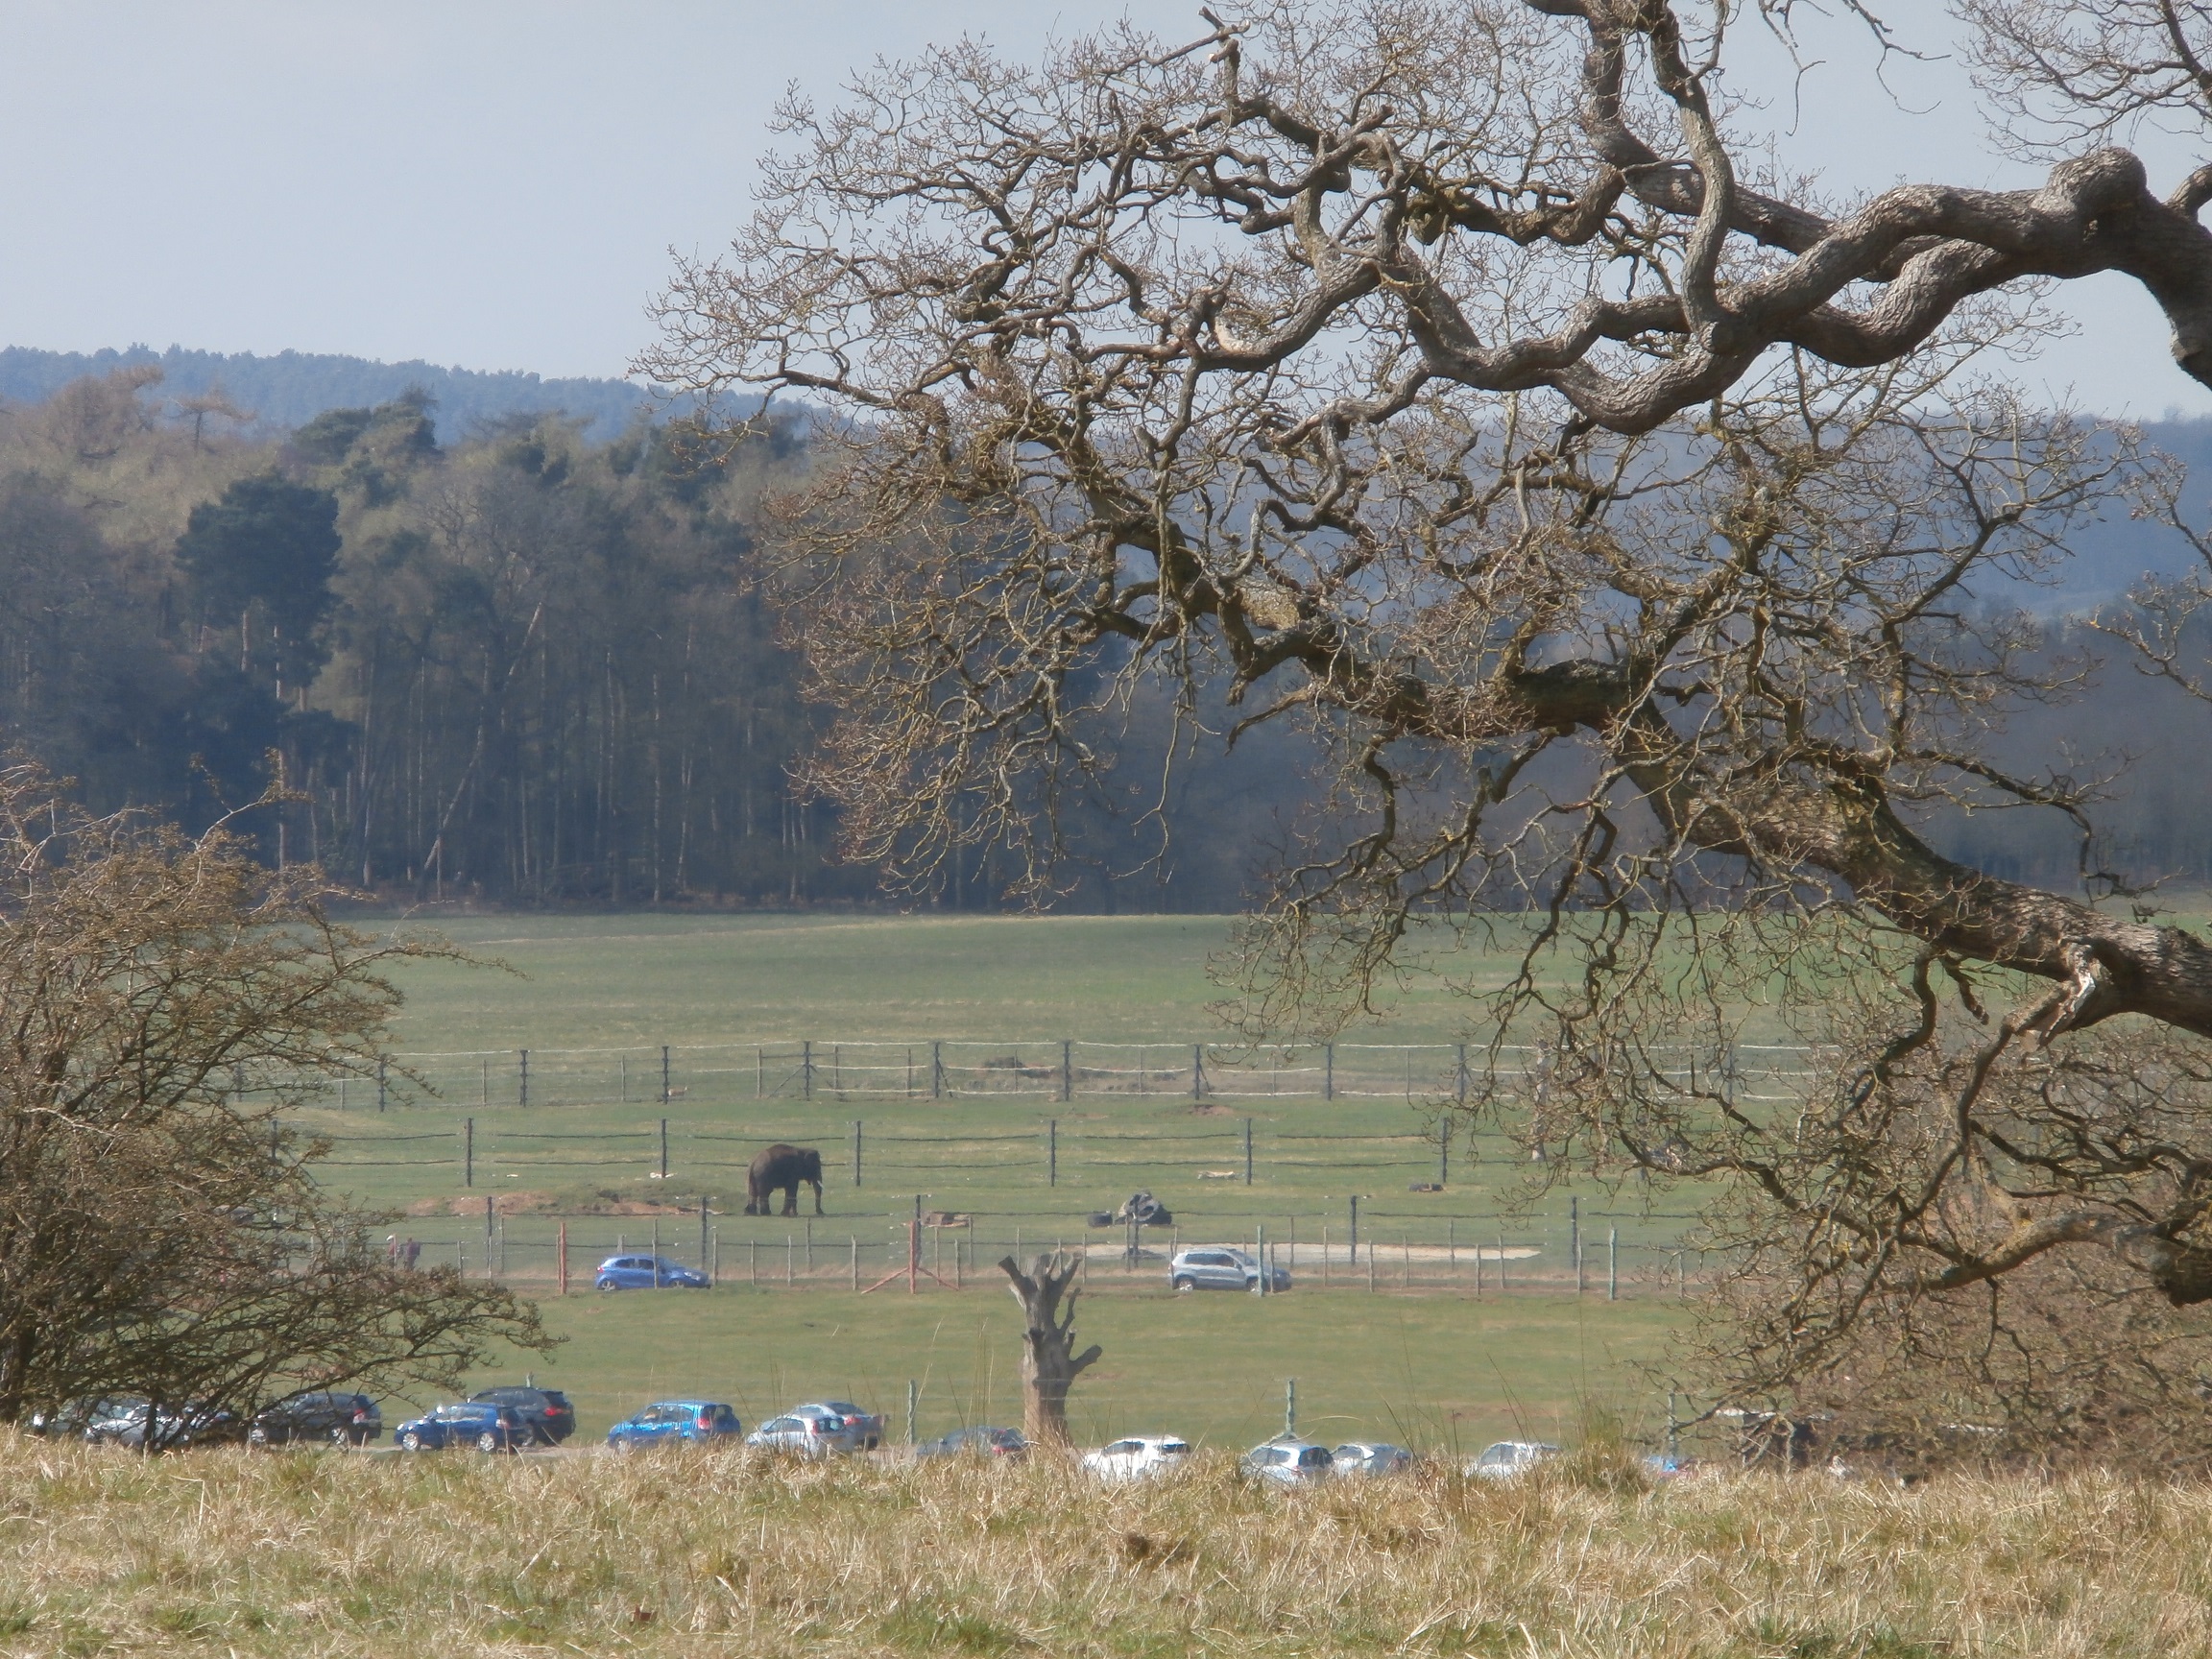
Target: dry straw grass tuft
<point>323,1554</point>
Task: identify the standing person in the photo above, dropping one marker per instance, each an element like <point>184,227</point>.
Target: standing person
<point>410,1251</point>
<point>392,1248</point>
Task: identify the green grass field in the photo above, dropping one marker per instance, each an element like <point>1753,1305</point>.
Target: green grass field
<point>1434,1371</point>
<point>593,999</point>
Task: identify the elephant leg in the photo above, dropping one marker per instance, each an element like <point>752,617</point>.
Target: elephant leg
<point>791,1199</point>
<point>817,1185</point>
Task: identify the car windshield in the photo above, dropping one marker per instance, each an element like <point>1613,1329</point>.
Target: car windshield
<point>1173,1448</point>
<point>1122,1449</point>
<point>780,1425</point>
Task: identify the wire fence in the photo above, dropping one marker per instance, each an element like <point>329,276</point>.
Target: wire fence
<point>967,1068</point>
<point>694,1155</point>
<point>1377,1251</point>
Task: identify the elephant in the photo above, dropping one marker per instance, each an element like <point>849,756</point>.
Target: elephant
<point>786,1168</point>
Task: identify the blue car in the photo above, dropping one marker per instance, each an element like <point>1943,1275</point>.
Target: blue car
<point>668,1421</point>
<point>646,1273</point>
<point>484,1427</point>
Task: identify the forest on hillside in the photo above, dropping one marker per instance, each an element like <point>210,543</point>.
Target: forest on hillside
<point>502,661</point>
<point>512,666</point>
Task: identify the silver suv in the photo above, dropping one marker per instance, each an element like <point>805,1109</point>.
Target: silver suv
<point>811,1432</point>
<point>1220,1268</point>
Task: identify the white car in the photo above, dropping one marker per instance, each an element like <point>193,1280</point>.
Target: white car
<point>1503,1459</point>
<point>1138,1458</point>
<point>1288,1461</point>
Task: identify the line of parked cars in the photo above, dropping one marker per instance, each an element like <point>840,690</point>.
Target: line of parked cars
<point>513,1418</point>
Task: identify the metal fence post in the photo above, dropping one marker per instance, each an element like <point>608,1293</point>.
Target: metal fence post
<point>1462,1073</point>
<point>1248,1151</point>
<point>936,1070</point>
<point>469,1152</point>
<point>1328,1070</point>
<point>807,1067</point>
<point>1197,1071</point>
<point>1612,1263</point>
<point>702,1232</point>
<point>1352,1249</point>
<point>1067,1069</point>
<point>523,1096</point>
<point>1052,1153</point>
<point>664,1089</point>
<point>379,1085</point>
<point>1574,1240</point>
<point>664,1148</point>
<point>856,1151</point>
<point>913,1404</point>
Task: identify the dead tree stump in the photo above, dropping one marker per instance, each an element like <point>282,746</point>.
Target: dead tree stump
<point>1048,1369</point>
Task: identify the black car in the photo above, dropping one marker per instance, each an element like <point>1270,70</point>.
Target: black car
<point>546,1411</point>
<point>1006,1443</point>
<point>318,1415</point>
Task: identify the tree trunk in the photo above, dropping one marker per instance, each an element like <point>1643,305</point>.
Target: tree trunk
<point>1048,1369</point>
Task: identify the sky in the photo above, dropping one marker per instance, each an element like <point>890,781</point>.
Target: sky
<point>497,184</point>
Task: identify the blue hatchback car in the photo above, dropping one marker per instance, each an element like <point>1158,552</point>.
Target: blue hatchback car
<point>646,1273</point>
<point>668,1421</point>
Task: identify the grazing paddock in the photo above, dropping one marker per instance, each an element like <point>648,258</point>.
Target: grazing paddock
<point>595,998</point>
<point>310,1555</point>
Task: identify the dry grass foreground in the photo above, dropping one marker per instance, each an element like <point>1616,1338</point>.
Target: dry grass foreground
<point>299,1554</point>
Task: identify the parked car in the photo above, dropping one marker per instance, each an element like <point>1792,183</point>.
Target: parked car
<point>320,1415</point>
<point>1138,1458</point>
<point>868,1425</point>
<point>646,1273</point>
<point>1220,1268</point>
<point>1371,1457</point>
<point>1288,1461</point>
<point>1006,1443</point>
<point>486,1428</point>
<point>1506,1458</point>
<point>546,1411</point>
<point>70,1421</point>
<point>667,1422</point>
<point>123,1421</point>
<point>810,1431</point>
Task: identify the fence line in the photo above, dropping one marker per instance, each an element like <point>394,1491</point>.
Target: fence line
<point>1497,1256</point>
<point>1049,1068</point>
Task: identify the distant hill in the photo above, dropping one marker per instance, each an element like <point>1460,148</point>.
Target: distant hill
<point>293,387</point>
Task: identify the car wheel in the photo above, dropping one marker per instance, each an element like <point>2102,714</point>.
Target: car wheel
<point>623,1446</point>
<point>1182,1282</point>
<point>1252,1284</point>
<point>410,1441</point>
<point>256,1436</point>
<point>608,1284</point>
<point>488,1441</point>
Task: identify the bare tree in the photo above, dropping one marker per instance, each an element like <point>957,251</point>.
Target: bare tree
<point>161,1230</point>
<point>1636,528</point>
<point>1049,1363</point>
